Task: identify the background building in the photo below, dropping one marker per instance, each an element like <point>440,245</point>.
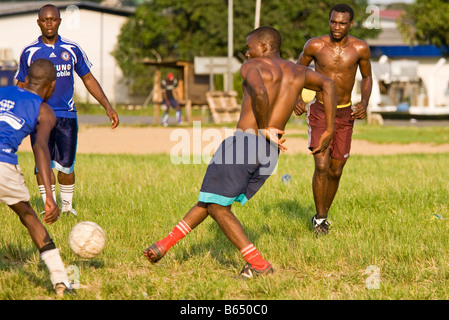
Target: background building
<point>414,78</point>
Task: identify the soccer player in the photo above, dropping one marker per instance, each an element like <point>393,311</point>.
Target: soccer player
<point>337,56</point>
<point>68,58</point>
<point>244,161</point>
<point>23,111</point>
<point>170,99</point>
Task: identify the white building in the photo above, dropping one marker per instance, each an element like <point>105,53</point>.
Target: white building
<point>414,77</point>
<point>94,27</point>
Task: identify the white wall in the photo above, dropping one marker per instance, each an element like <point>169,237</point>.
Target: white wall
<point>95,32</point>
<point>441,81</point>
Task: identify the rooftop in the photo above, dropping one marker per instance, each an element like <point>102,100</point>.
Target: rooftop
<point>25,7</point>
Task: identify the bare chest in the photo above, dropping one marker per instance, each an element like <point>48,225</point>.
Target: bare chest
<point>337,60</point>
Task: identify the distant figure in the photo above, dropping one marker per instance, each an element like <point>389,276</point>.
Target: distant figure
<point>244,161</point>
<point>336,55</point>
<point>170,98</point>
<point>23,111</point>
<point>68,59</point>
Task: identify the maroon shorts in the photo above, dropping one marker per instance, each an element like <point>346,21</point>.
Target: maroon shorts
<point>340,145</point>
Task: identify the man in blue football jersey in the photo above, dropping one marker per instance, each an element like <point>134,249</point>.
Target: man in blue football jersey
<point>68,58</point>
<point>23,111</point>
<point>170,98</point>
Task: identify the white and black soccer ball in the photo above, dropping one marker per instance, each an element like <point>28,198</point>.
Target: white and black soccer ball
<point>87,239</point>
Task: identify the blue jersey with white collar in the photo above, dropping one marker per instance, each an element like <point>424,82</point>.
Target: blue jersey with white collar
<point>68,57</point>
<point>19,112</point>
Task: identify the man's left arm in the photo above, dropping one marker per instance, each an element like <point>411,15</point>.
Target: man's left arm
<point>366,84</point>
<point>250,72</point>
<point>92,85</point>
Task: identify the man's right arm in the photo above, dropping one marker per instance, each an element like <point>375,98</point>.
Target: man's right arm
<point>46,122</point>
<point>305,58</point>
<point>22,70</point>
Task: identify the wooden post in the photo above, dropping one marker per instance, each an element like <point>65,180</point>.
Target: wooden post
<point>157,95</point>
<point>189,111</point>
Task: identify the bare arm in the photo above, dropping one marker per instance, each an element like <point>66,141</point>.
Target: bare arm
<point>259,95</point>
<point>254,86</point>
<point>305,58</point>
<point>46,122</point>
<point>366,84</point>
<point>96,91</point>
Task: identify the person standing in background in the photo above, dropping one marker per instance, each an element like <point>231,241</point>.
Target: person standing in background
<point>68,57</point>
<point>170,98</point>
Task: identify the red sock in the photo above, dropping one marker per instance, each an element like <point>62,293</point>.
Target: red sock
<point>179,232</point>
<point>251,255</point>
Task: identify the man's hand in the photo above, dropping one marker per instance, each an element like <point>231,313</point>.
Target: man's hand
<point>113,116</point>
<point>51,210</point>
<point>325,140</point>
<point>272,134</point>
<point>300,107</point>
<point>359,111</point>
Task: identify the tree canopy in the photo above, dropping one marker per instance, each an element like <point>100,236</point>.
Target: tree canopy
<point>183,29</point>
<point>425,23</point>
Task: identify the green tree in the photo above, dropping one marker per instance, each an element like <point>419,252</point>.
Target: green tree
<point>425,23</point>
<point>183,29</point>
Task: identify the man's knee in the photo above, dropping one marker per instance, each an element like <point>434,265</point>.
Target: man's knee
<point>214,210</point>
<point>336,169</point>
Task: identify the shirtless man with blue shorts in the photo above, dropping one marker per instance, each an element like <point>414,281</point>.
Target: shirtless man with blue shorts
<point>244,161</point>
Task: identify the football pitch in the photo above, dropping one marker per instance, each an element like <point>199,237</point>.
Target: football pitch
<point>388,239</point>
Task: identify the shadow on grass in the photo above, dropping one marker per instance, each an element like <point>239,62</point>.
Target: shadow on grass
<point>13,256</point>
<point>223,251</point>
<point>291,209</point>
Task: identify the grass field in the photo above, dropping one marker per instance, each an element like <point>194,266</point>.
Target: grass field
<point>386,242</point>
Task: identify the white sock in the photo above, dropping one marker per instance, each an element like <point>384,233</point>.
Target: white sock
<point>44,194</point>
<point>66,192</point>
<point>58,272</point>
<point>165,119</point>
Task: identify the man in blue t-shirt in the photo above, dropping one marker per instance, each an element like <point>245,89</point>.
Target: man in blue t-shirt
<point>68,58</point>
<point>22,112</point>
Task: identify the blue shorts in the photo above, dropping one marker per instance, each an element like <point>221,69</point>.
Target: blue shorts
<point>62,144</point>
<point>173,103</point>
<point>238,169</point>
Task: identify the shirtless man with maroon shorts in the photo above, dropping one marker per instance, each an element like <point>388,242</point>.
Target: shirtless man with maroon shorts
<point>336,55</point>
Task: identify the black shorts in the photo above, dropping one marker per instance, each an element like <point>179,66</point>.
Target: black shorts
<point>238,169</point>
<point>62,144</point>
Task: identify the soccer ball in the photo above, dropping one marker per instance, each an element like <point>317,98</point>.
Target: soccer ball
<point>87,239</point>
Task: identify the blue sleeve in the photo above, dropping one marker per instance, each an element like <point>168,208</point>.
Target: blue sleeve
<point>83,64</point>
<point>22,70</point>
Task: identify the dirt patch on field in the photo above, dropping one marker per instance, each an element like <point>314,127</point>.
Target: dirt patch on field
<point>148,140</point>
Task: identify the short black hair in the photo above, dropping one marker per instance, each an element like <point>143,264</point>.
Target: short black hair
<point>342,8</point>
<point>268,34</point>
<point>49,6</point>
<point>42,70</point>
